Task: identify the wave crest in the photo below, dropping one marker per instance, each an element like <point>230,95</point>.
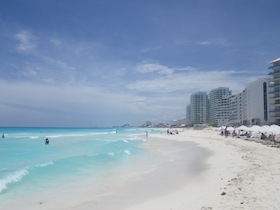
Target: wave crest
<point>12,178</point>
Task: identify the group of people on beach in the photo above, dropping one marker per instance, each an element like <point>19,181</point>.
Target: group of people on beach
<point>226,132</point>
<point>269,137</point>
<point>263,136</point>
<point>172,132</point>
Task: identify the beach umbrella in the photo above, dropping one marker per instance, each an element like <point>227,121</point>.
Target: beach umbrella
<point>265,128</point>
<point>255,128</point>
<point>221,128</point>
<point>268,129</point>
<point>242,127</point>
<point>275,129</point>
<point>230,128</point>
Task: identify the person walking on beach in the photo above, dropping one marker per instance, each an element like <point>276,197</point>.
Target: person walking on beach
<point>147,134</point>
<point>226,132</point>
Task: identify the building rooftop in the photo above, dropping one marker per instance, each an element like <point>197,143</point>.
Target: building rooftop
<point>278,59</point>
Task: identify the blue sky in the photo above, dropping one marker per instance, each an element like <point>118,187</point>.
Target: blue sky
<point>104,63</point>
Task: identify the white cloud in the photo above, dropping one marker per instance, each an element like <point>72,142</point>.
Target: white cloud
<point>150,68</point>
<point>218,41</point>
<point>68,105</point>
<point>192,80</point>
<point>27,41</point>
<point>222,42</point>
<point>187,68</point>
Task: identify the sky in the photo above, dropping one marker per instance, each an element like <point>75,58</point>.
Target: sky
<point>108,63</point>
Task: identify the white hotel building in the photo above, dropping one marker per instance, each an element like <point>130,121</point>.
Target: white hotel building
<point>198,109</point>
<point>236,109</point>
<point>256,103</point>
<point>219,106</point>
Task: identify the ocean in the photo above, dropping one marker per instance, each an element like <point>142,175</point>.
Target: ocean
<point>77,161</point>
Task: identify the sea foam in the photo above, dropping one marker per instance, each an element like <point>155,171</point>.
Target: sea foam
<point>12,178</point>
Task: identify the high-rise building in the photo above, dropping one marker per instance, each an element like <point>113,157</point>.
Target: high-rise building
<point>219,106</point>
<point>275,92</point>
<point>236,109</point>
<point>199,108</point>
<point>188,115</point>
<point>256,103</point>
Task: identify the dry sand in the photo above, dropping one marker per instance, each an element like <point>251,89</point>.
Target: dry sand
<point>241,175</point>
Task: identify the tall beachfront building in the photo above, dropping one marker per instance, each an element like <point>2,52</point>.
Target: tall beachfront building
<point>198,108</point>
<point>219,106</point>
<point>236,109</point>
<point>256,103</point>
<point>188,115</point>
<point>275,92</point>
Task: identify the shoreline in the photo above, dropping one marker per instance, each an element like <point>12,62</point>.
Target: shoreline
<point>227,173</point>
<point>176,163</point>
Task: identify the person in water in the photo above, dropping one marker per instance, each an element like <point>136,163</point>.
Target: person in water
<point>3,135</point>
<point>47,141</point>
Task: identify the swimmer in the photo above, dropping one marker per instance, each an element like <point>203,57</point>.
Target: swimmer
<point>47,141</point>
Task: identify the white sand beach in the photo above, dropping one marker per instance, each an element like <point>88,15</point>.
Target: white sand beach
<point>241,175</point>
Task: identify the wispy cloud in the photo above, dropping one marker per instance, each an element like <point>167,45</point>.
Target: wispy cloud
<point>189,79</point>
<point>46,69</point>
<point>149,49</point>
<point>222,42</point>
<point>72,105</point>
<point>56,42</point>
<point>150,68</point>
<point>218,42</point>
<point>27,41</point>
<point>30,70</point>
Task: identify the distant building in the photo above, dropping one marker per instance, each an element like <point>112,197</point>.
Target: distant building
<point>275,92</point>
<point>188,115</point>
<point>160,125</point>
<point>236,109</point>
<point>198,113</point>
<point>256,109</point>
<point>148,124</point>
<point>257,104</point>
<point>219,106</point>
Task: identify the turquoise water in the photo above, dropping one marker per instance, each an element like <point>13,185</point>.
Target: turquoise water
<point>82,165</point>
<point>28,165</point>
